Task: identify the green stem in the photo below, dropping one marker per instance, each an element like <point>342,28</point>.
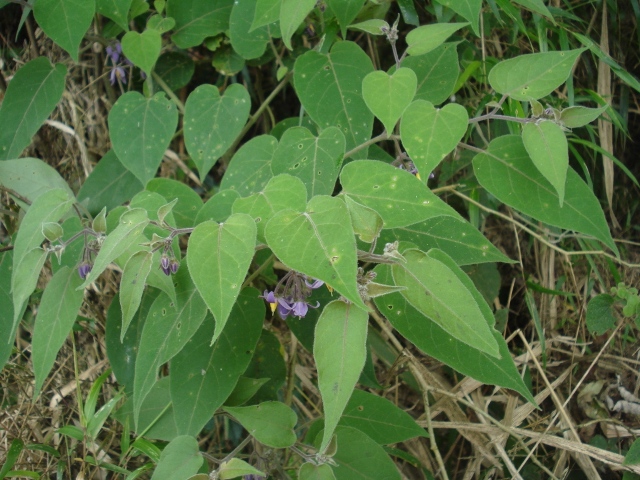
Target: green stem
<point>169,92</point>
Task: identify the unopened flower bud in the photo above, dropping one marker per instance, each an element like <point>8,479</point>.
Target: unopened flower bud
<point>84,269</point>
<point>174,265</point>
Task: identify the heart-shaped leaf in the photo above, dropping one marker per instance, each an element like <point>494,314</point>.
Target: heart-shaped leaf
<point>387,96</point>
<point>198,19</point>
<point>212,122</point>
<point>143,49</point>
<point>467,9</point>
<point>271,423</point>
<point>318,243</point>
<point>218,257</point>
<point>430,133</point>
<point>547,146</point>
<point>247,42</point>
<point>314,160</point>
<point>180,459</point>
<point>345,11</point>
<point>266,12</point>
<point>116,10</point>
<point>437,72</point>
<point>292,14</point>
<point>423,39</point>
<point>141,129</point>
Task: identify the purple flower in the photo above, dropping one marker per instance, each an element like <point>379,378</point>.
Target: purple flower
<point>84,269</point>
<point>291,294</point>
<point>315,284</point>
<point>114,52</point>
<point>118,73</point>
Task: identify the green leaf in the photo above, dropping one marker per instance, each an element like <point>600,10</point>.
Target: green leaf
<point>11,456</point>
<point>359,457</point>
<point>266,12</point>
<point>292,14</point>
<point>374,26</point>
<point>314,160</point>
<point>30,177</point>
<point>30,98</point>
<point>467,9</point>
<point>633,455</point>
<point>345,11</point>
<point>380,419</point>
<point>508,173</point>
<point>24,281</point>
<point>600,314</point>
<point>189,202</point>
<point>132,224</point>
<point>574,117</point>
<point>423,39</point>
<point>65,21</point>
<point>132,286</point>
<point>533,76</point>
<point>160,24</point>
<point>116,10</point>
<point>176,69</point>
<point>441,291</point>
<point>271,423</point>
<point>235,468</point>
<point>547,147</point>
<point>268,362</point>
<point>219,256</point>
<point>536,6</point>
<point>339,350</point>
<point>434,341</point>
<point>218,207</point>
<point>250,168</point>
<point>203,376</point>
<point>143,49</point>
<point>365,221</point>
<point>318,243</point>
<point>198,19</point>
<point>387,96</point>
<point>212,122</point>
<point>247,42</point>
<point>109,184</point>
<point>167,328</point>
<point>244,390</point>
<point>141,129</point>
<point>399,197</point>
<point>429,134</point>
<point>330,89</point>
<point>310,471</point>
<point>57,314</point>
<point>7,325</point>
<point>456,237</point>
<point>180,459</point>
<point>281,193</point>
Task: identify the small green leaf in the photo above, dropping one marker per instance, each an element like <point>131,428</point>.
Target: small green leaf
<point>375,26</point>
<point>198,19</point>
<point>30,98</point>
<point>436,289</point>
<point>52,231</point>
<point>180,459</point>
<point>314,160</point>
<point>165,210</point>
<point>398,197</point>
<point>547,147</point>
<point>141,129</point>
<point>176,69</point>
<point>365,221</point>
<point>574,117</point>
<point>188,203</point>
<point>219,257</point>
<point>467,9</point>
<point>160,24</point>
<point>600,314</point>
<point>423,39</point>
<point>437,72</point>
<point>271,423</point>
<point>132,286</point>
<point>250,167</point>
<point>246,41</point>
<point>311,471</point>
<point>57,314</point>
<point>339,350</point>
<point>318,243</point>
<point>99,223</point>
<point>292,14</point>
<point>536,6</point>
<point>387,96</point>
<point>429,134</point>
<point>11,456</point>
<point>235,468</point>
<point>143,49</point>
<point>266,12</point>
<point>65,21</point>
<point>633,455</point>
<point>212,122</point>
<point>345,11</point>
<point>533,76</point>
<point>116,10</point>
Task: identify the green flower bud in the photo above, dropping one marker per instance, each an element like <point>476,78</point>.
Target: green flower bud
<point>52,231</point>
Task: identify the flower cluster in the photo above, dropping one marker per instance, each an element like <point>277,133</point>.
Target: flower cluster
<point>117,69</point>
<point>168,265</point>
<point>290,297</point>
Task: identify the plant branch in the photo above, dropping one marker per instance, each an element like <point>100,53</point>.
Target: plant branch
<point>383,136</point>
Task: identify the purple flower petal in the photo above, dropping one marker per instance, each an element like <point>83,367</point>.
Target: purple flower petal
<point>315,284</point>
<point>300,309</point>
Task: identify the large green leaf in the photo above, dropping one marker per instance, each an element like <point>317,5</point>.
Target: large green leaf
<point>454,236</point>
<point>399,197</point>
<point>429,134</point>
<point>339,350</point>
<point>292,14</point>
<point>141,129</point>
<point>142,49</point>
<point>247,42</point>
<point>330,89</point>
<point>250,168</point>
<point>547,147</point>
<point>423,39</point>
<point>318,243</point>
<point>167,329</point>
<point>179,460</point>
<point>387,96</point>
<point>56,315</point>
<point>533,76</point>
<point>24,280</point>
<point>467,9</point>
<point>198,19</point>
<point>437,72</point>
<point>30,177</point>
<point>65,21</point>
<point>212,122</point>
<point>380,419</point>
<point>281,193</point>
<point>116,10</point>
<point>30,97</point>
<point>441,291</point>
<point>508,173</point>
<point>219,256</point>
<point>314,160</point>
<point>434,341</point>
<point>345,11</point>
<point>266,12</point>
<point>132,286</point>
<point>203,376</point>
<point>271,423</point>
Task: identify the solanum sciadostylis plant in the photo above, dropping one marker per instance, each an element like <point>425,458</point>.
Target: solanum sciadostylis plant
<point>309,204</point>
